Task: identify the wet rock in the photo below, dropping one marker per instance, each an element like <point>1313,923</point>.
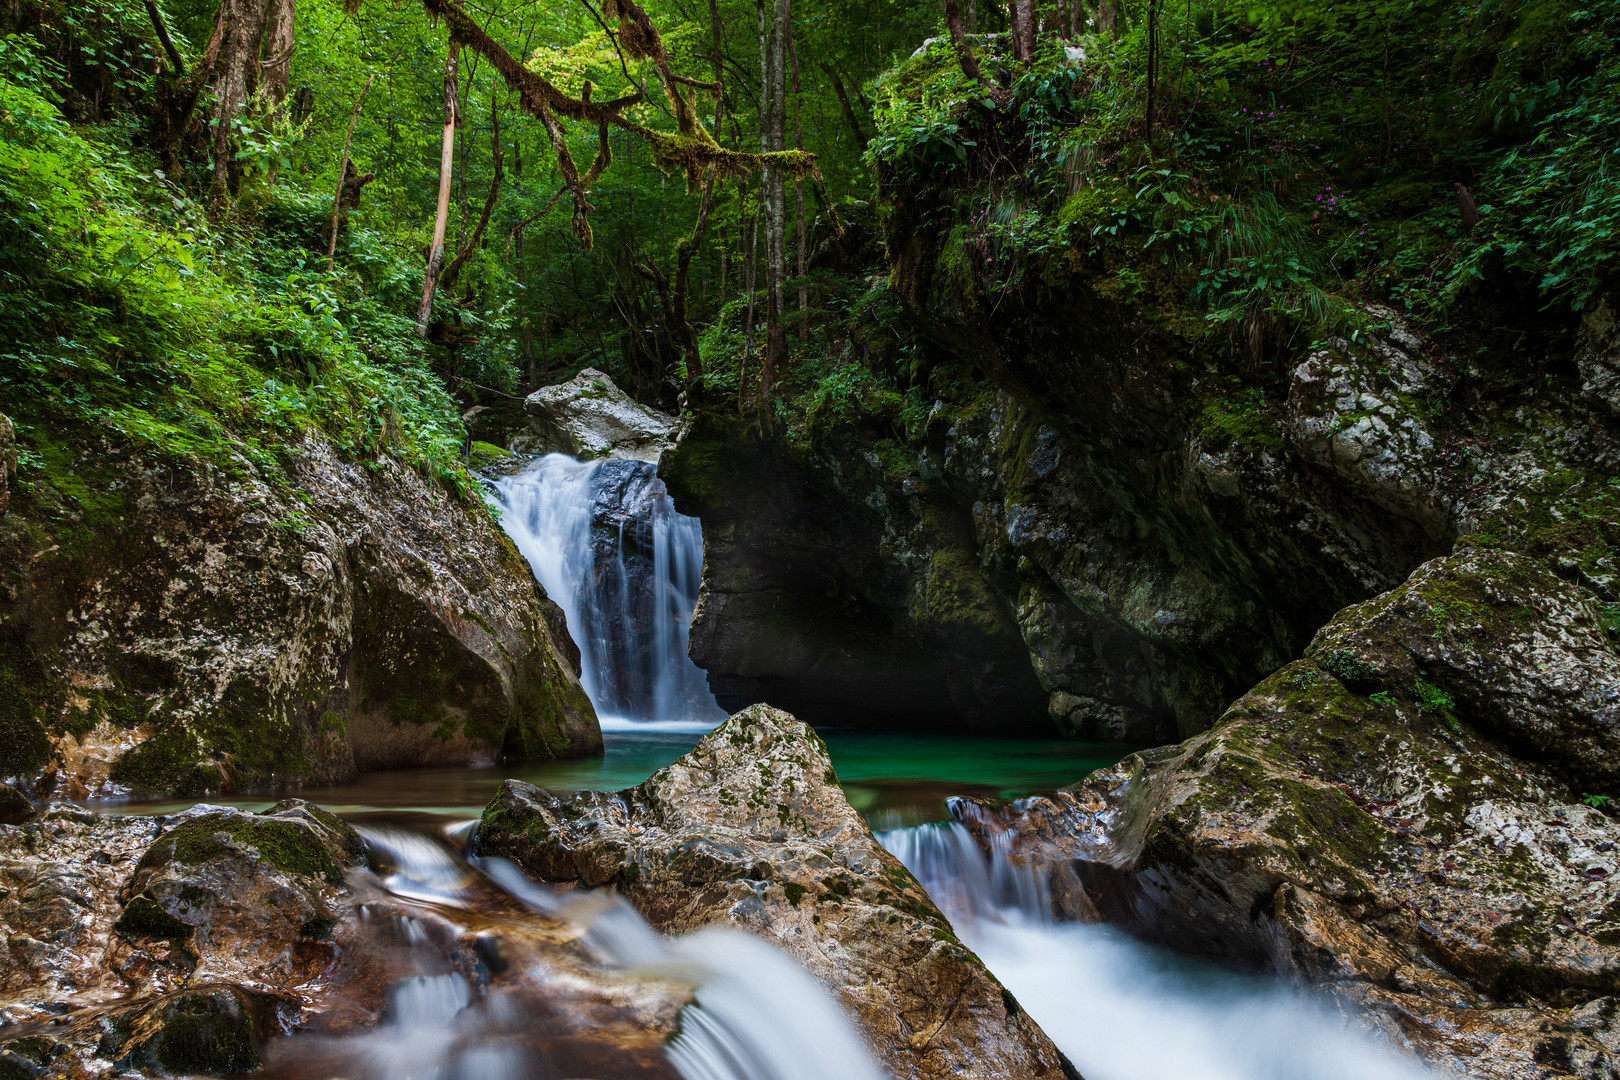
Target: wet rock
<point>15,807</point>
<point>209,1032</point>
<point>751,828</point>
<point>590,417</point>
<point>1597,357</point>
<point>237,894</point>
<point>180,630</point>
<point>1400,817</point>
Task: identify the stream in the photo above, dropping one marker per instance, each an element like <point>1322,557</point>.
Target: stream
<point>605,541</point>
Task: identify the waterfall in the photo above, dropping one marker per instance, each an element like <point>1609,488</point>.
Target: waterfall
<point>604,539</point>
<point>1121,1010</point>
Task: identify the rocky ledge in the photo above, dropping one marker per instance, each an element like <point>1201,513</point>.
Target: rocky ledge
<point>1407,815</point>
<point>752,829</point>
<point>169,629</point>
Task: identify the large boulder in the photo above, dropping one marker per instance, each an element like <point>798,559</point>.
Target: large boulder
<point>590,417</point>
<point>1406,815</point>
<point>183,630</point>
<point>751,828</point>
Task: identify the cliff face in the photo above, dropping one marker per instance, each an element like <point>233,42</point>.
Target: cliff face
<point>187,630</point>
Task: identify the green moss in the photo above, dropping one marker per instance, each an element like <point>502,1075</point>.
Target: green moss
<point>284,844</point>
<point>142,917</point>
<point>1244,420</point>
<point>794,893</point>
<point>205,1033</point>
<point>24,744</point>
<point>483,454</point>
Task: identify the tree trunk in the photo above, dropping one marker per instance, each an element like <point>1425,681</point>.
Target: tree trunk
<point>230,67</point>
<point>850,117</point>
<point>1023,30</point>
<point>801,257</point>
<point>964,54</point>
<point>441,218</point>
<point>773,56</point>
<point>279,39</point>
<point>343,173</point>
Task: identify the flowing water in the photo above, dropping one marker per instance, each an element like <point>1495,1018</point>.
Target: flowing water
<point>477,973</point>
<point>1121,1010</point>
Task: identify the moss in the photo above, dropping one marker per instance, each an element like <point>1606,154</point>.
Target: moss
<point>24,744</point>
<point>483,454</point>
<point>142,917</point>
<point>1243,419</point>
<point>794,893</point>
<point>206,1033</point>
<point>170,762</point>
<point>284,844</point>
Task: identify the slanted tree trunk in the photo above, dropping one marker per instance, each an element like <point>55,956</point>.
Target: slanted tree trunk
<point>441,217</point>
<point>279,39</point>
<point>346,177</point>
<point>850,116</point>
<point>964,54</point>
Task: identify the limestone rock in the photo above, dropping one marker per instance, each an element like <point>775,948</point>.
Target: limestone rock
<point>181,630</point>
<point>1597,356</point>
<point>1358,413</point>
<point>237,893</point>
<point>1398,816</point>
<point>751,828</point>
<point>590,417</point>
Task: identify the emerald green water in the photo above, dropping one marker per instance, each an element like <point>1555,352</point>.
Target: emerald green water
<point>895,779</point>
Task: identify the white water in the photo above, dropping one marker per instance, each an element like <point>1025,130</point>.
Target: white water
<point>1121,1010</point>
<point>589,530</point>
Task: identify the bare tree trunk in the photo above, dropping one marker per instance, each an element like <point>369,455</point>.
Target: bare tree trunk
<point>441,217</point>
<point>467,246</point>
<point>773,195</point>
<point>343,173</point>
<point>972,16</point>
<point>750,283</point>
<point>1023,29</point>
<point>279,39</point>
<point>1152,67</point>
<point>1108,18</point>
<point>801,257</point>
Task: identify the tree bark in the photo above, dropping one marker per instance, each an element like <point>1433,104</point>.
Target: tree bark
<point>343,172</point>
<point>441,217</point>
<point>280,37</point>
<point>801,257</point>
<point>453,271</point>
<point>1023,30</point>
<point>850,117</point>
<point>230,67</point>
<point>773,66</point>
<point>964,55</point>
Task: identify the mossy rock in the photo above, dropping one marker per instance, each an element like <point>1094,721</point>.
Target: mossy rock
<point>202,1033</point>
<point>24,745</point>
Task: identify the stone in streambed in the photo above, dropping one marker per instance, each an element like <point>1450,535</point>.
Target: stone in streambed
<point>751,828</point>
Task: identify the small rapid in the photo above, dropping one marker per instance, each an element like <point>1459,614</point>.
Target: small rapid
<point>484,985</point>
<point>1122,1010</point>
<point>604,539</point>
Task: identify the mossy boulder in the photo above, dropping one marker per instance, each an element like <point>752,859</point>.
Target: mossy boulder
<point>206,1032</point>
<point>176,629</point>
<point>236,892</point>
<point>588,416</point>
<point>752,828</point>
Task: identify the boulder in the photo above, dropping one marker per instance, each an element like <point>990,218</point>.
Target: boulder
<point>590,417</point>
<point>236,894</point>
<point>169,629</point>
<point>1597,357</point>
<point>751,828</point>
<point>1405,816</point>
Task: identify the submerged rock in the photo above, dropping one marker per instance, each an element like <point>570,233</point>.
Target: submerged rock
<point>180,630</point>
<point>751,828</point>
<point>1399,816</point>
<point>590,417</point>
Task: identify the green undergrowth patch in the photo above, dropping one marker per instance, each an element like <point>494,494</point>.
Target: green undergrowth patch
<point>127,313</point>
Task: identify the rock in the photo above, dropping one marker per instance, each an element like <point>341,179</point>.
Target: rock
<point>1398,817</point>
<point>15,807</point>
<point>179,630</point>
<point>751,828</point>
<point>238,893</point>
<point>208,1032</point>
<point>1597,357</point>
<point>1358,413</point>
<point>590,417</point>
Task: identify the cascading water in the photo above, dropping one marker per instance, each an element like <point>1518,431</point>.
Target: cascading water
<point>1119,1009</point>
<point>604,539</point>
<point>753,1014</point>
